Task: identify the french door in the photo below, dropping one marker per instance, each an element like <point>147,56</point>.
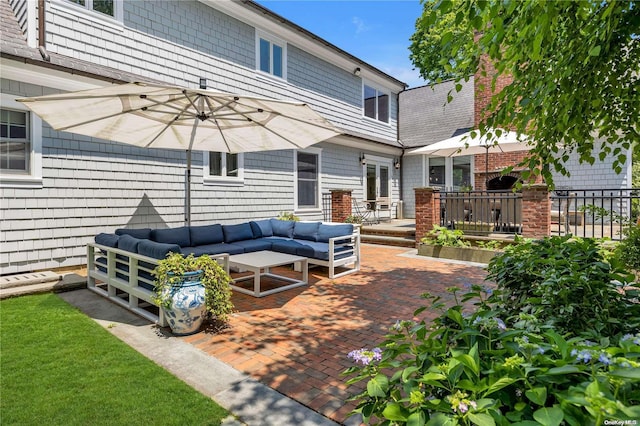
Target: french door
<point>377,179</point>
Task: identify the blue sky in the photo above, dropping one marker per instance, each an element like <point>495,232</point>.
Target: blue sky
<point>376,31</point>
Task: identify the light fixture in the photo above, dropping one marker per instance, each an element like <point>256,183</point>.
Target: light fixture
<point>363,160</point>
<point>396,164</point>
<point>356,72</point>
<point>203,83</point>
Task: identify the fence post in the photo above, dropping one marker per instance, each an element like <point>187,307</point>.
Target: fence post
<point>340,204</point>
<point>536,211</point>
<point>427,211</point>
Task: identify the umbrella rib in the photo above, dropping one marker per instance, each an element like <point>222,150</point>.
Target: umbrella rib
<point>215,120</point>
<point>167,126</point>
<point>300,120</point>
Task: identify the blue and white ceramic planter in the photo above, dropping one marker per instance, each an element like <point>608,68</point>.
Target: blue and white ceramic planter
<point>188,306</point>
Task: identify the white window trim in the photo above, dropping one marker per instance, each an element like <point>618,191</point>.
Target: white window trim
<point>309,211</point>
<point>209,179</point>
<point>34,178</point>
<point>273,40</point>
<point>378,89</point>
<point>83,12</point>
<point>448,172</point>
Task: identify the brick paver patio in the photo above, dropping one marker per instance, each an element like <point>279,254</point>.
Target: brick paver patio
<point>296,341</point>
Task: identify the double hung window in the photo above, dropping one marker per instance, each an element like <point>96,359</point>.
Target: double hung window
<point>307,166</point>
<point>107,7</point>
<point>15,142</point>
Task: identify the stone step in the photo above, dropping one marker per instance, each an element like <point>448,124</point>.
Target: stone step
<point>389,240</point>
<point>30,278</point>
<point>64,283</point>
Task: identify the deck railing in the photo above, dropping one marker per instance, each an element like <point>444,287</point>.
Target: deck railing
<point>597,213</point>
<point>482,212</point>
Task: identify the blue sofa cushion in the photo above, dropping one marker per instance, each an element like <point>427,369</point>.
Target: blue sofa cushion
<point>238,232</point>
<point>286,246</point>
<point>156,250</point>
<point>330,231</point>
<point>109,240</point>
<point>318,250</point>
<point>254,245</point>
<point>128,243</point>
<point>282,228</point>
<point>142,233</point>
<point>212,249</point>
<point>261,228</point>
<point>306,231</point>
<point>207,234</point>
<point>179,236</point>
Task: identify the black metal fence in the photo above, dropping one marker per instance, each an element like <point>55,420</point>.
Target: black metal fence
<point>597,213</point>
<point>482,212</point>
<point>326,207</point>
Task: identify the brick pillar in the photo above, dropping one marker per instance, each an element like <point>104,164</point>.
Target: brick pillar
<point>536,211</point>
<point>340,204</point>
<point>427,211</point>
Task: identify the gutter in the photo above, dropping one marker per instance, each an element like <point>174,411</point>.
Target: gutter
<point>42,33</point>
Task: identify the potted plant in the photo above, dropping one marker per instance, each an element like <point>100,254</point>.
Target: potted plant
<point>186,288</point>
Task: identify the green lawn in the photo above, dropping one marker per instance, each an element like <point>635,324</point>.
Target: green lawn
<point>59,367</point>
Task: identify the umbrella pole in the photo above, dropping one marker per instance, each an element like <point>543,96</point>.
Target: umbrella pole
<point>187,202</point>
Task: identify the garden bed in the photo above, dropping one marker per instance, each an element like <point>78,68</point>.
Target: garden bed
<point>469,254</point>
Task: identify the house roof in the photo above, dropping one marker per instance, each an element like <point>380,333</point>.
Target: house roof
<point>426,117</point>
<point>13,45</point>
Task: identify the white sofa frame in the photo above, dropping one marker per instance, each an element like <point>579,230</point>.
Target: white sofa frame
<point>351,261</point>
<point>127,292</point>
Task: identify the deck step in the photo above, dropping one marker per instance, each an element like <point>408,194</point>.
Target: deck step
<point>388,240</point>
<point>37,284</point>
<point>30,278</point>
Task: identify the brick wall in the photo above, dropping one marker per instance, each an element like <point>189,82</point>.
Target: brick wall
<point>536,211</point>
<point>340,204</point>
<point>427,211</point>
<point>483,87</point>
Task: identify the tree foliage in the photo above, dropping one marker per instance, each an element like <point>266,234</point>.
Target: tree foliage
<point>575,68</point>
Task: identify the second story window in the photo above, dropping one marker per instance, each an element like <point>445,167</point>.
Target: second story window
<point>376,104</point>
<point>271,56</point>
<point>108,7</point>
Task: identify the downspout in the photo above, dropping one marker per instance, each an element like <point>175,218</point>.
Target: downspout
<point>42,38</point>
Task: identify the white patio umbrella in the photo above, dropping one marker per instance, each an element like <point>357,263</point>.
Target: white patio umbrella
<point>496,140</point>
<point>157,116</point>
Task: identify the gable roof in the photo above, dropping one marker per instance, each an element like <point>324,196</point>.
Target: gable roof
<point>426,117</point>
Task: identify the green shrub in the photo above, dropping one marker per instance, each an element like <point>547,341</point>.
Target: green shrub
<point>628,250</point>
<point>288,216</point>
<point>567,284</point>
<point>442,236</point>
<point>474,369</point>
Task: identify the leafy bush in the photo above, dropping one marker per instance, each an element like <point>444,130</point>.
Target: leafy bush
<point>567,284</point>
<point>288,216</point>
<point>474,369</point>
<point>353,219</point>
<point>442,236</point>
<point>628,250</point>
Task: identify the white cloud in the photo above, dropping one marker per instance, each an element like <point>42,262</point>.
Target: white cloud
<point>361,27</point>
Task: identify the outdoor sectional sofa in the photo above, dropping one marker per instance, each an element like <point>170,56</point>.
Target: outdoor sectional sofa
<point>120,265</point>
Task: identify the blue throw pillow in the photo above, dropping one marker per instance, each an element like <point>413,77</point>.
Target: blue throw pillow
<point>204,235</point>
<point>128,243</point>
<point>330,231</point>
<point>109,240</point>
<point>282,228</point>
<point>306,230</point>
<point>141,233</point>
<point>179,236</point>
<point>156,250</point>
<point>261,228</point>
<point>238,232</point>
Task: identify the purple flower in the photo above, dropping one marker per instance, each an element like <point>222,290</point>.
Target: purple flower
<point>365,356</point>
<point>463,408</point>
<point>604,358</point>
<point>584,356</point>
<point>501,325</point>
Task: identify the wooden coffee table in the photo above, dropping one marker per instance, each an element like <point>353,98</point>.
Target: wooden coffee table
<point>260,263</point>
